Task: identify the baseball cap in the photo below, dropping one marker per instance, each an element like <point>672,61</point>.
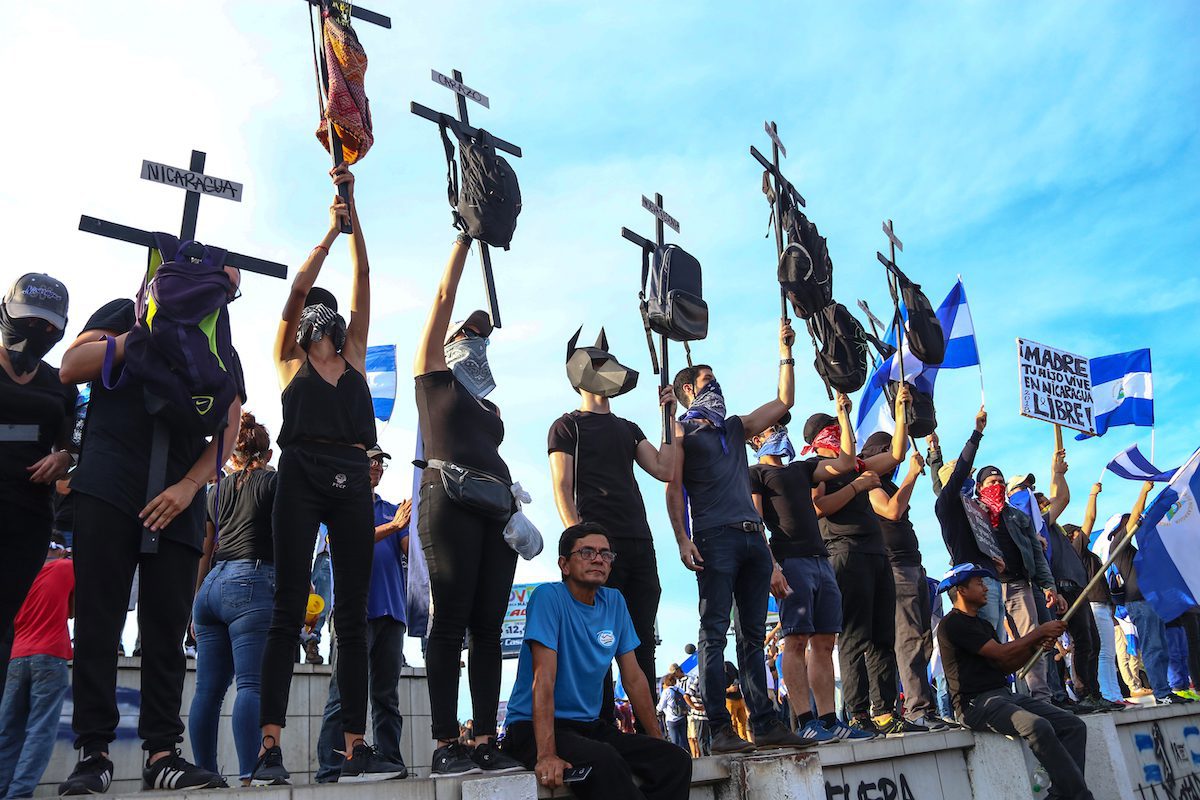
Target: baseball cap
<point>38,295</point>
<point>876,443</point>
<point>815,424</point>
<point>985,473</point>
<point>377,452</point>
<point>1020,482</point>
<point>961,573</point>
<point>478,319</point>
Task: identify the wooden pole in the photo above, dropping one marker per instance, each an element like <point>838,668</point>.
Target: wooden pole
<point>1058,439</point>
<point>668,426</point>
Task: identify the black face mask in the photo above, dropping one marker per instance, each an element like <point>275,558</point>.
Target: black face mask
<point>26,340</point>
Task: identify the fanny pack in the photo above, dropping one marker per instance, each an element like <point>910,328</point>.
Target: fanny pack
<point>474,489</point>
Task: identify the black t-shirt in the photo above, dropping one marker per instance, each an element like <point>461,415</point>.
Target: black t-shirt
<point>716,475</point>
<point>457,427</point>
<point>605,488</point>
<point>244,529</point>
<point>788,508</point>
<point>49,405</point>
<point>968,674</point>
<point>1127,570</point>
<point>314,408</point>
<point>853,528</point>
<point>899,538</point>
<point>1014,565</point>
<point>118,438</point>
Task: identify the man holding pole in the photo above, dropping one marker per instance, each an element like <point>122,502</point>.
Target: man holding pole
<point>977,667</point>
<point>727,548</point>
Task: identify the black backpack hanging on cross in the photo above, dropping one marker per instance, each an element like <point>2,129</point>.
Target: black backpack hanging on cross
<point>922,415</point>
<point>805,270</point>
<point>486,204</point>
<point>922,329</point>
<point>841,348</point>
<point>672,297</point>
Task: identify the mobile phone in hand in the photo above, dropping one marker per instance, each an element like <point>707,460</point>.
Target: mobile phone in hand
<point>576,774</point>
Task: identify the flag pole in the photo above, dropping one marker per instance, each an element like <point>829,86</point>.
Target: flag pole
<point>1103,470</point>
<point>982,393</point>
<point>1151,444</point>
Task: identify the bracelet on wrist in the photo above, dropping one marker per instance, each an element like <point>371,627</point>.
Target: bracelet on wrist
<point>463,238</point>
<point>193,481</point>
<point>789,362</point>
<point>323,248</point>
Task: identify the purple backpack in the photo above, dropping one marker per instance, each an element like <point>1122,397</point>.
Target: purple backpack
<point>180,349</point>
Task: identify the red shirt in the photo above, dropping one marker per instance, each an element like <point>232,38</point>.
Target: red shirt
<point>41,625</point>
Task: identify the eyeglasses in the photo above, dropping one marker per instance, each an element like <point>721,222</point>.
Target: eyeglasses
<point>379,463</point>
<point>235,294</point>
<point>590,553</point>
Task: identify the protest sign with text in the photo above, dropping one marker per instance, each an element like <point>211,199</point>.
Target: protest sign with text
<point>1056,386</point>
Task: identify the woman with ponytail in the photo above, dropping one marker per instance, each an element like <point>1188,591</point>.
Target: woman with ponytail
<point>234,598</point>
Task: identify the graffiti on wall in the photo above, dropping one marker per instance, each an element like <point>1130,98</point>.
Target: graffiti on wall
<point>1169,768</point>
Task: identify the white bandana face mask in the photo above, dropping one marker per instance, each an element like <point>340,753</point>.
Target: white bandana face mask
<point>467,359</point>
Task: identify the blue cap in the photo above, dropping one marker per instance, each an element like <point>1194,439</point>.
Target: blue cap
<point>961,573</point>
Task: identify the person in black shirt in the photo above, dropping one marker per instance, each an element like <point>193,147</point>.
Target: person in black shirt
<point>111,513</point>
<point>592,453</point>
<point>810,613</point>
<point>470,565</point>
<point>232,610</point>
<point>977,667</point>
<point>866,648</point>
<point>725,545</point>
<point>36,423</point>
<point>914,634</point>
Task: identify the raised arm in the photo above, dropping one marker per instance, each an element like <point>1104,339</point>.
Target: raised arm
<point>884,463</point>
<point>1060,492</point>
<point>966,460</point>
<point>1089,511</point>
<point>845,461</point>
<point>933,458</point>
<point>1139,507</point>
<point>355,351</point>
<point>767,415</point>
<point>431,354</point>
<point>660,461</point>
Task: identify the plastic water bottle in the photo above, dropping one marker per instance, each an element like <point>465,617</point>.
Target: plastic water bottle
<point>1041,782</point>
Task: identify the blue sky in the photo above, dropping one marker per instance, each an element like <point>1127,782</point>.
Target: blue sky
<point>1046,152</point>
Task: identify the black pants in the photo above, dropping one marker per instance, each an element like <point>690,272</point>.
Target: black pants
<point>615,758</point>
<point>25,527</point>
<point>303,500</point>
<point>1086,638</point>
<point>866,646</point>
<point>470,575</point>
<point>107,550</point>
<point>635,575</point>
<point>1057,738</point>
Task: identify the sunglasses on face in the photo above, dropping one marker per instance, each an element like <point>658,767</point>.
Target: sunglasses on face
<point>590,553</point>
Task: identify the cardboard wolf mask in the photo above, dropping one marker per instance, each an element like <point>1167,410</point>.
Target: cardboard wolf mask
<point>595,370</point>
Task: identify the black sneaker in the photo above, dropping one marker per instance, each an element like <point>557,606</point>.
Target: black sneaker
<point>92,775</point>
<point>492,759</point>
<point>366,765</point>
<point>777,735</point>
<point>724,740</point>
<point>894,725</point>
<point>865,725</point>
<point>935,723</point>
<point>269,771</point>
<point>1174,700</point>
<point>176,772</point>
<point>451,760</point>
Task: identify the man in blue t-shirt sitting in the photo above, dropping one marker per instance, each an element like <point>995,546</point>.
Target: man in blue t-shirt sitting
<point>573,630</point>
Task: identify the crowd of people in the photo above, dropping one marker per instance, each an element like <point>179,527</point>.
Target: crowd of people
<point>226,552</point>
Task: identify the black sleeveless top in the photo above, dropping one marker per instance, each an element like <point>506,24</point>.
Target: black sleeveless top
<point>315,409</point>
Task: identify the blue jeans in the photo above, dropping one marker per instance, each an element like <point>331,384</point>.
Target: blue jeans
<point>1177,668</point>
<point>1152,638</point>
<point>231,614</point>
<point>677,732</point>
<point>33,700</point>
<point>322,580</point>
<point>385,657</point>
<point>736,580</point>
<point>1106,672</point>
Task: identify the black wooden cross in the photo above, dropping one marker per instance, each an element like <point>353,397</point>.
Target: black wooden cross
<point>195,182</point>
<point>344,12</point>
<point>462,126</point>
<point>893,275</point>
<point>782,185</point>
<point>649,247</point>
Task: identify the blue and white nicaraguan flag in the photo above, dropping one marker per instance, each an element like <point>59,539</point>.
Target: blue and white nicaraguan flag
<point>381,378</point>
<point>961,351</point>
<point>1168,558</point>
<point>1123,391</point>
<point>1131,465</point>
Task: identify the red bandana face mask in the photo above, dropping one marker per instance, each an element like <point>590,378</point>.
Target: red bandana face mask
<point>992,498</point>
<point>830,438</point>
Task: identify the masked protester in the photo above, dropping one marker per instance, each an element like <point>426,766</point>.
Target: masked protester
<point>727,546</point>
<point>36,421</point>
<point>592,453</point>
<point>855,540</point>
<point>470,565</point>
<point>324,477</point>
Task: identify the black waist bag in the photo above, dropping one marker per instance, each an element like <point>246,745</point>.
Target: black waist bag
<point>923,420</point>
<point>329,471</point>
<point>473,489</point>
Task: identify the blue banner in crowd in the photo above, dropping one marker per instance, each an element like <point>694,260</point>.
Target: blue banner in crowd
<point>381,377</point>
<point>1168,557</point>
<point>1123,391</point>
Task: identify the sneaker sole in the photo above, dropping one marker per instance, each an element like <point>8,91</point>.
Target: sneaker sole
<point>80,792</point>
<point>475,771</point>
<point>272,782</point>
<point>749,748</point>
<point>372,777</point>
<point>789,746</point>
<point>502,770</point>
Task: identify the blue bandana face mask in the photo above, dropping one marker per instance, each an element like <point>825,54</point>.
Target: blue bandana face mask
<point>777,445</point>
<point>709,405</point>
<point>467,359</point>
